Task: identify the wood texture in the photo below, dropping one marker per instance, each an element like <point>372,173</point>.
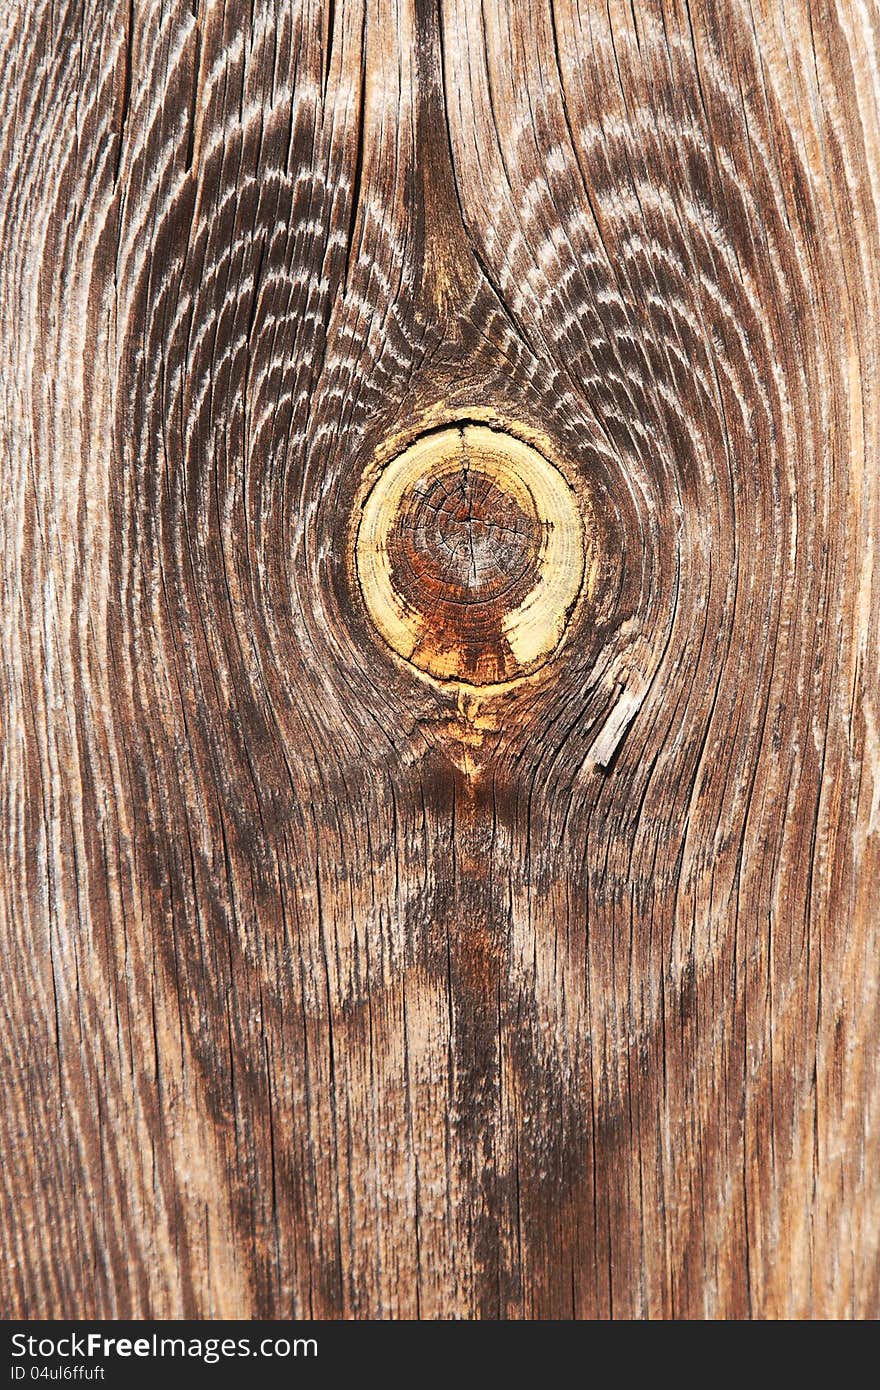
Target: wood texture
<point>330,990</point>
<point>469,552</point>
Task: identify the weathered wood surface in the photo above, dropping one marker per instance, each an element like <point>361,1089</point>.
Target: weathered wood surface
<point>331,988</point>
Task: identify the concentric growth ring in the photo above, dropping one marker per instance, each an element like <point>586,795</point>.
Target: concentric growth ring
<point>470,556</point>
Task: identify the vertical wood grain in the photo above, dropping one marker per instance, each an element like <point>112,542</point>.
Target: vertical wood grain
<point>328,990</point>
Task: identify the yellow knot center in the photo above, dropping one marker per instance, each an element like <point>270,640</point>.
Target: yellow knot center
<point>470,556</point>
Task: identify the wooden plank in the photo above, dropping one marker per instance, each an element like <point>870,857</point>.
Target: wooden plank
<point>516,958</point>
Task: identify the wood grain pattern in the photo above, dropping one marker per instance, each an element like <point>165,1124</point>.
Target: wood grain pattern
<point>333,991</point>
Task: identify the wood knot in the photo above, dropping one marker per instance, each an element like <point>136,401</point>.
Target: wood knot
<point>470,556</point>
